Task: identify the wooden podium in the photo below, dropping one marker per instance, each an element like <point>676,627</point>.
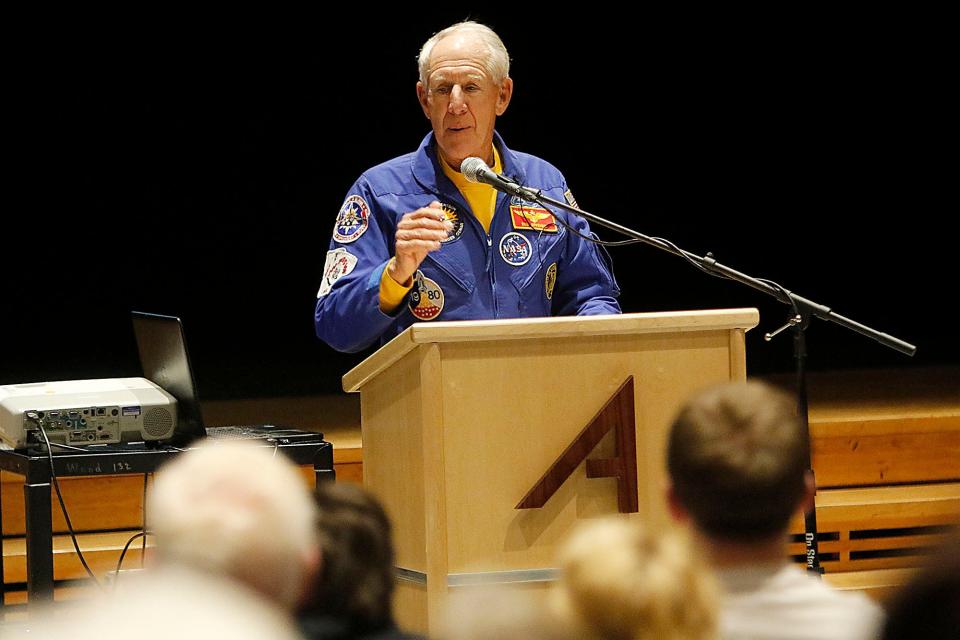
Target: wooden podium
<point>460,420</point>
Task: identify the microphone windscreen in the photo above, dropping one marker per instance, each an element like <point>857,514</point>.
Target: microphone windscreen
<point>471,167</point>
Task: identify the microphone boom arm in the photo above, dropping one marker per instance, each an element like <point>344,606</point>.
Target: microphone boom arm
<point>804,306</point>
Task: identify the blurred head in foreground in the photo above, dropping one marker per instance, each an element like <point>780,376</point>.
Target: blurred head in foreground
<point>233,509</point>
<point>928,606</point>
<point>737,459</point>
<point>354,586</point>
<point>621,581</point>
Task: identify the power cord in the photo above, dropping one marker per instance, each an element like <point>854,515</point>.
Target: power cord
<point>142,534</point>
<point>143,523</point>
<point>126,547</point>
<point>63,506</point>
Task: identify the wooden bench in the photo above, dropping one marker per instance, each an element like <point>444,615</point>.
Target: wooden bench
<point>874,428</point>
<point>879,584</point>
<point>880,527</point>
<point>100,550</point>
<point>886,454</point>
<point>886,451</point>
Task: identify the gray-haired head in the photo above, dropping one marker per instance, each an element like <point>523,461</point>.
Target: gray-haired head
<point>497,60</point>
<point>232,509</point>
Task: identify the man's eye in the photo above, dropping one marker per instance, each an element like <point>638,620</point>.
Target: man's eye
<point>471,88</point>
<point>442,90</point>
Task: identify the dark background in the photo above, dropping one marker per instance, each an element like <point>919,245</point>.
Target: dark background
<point>198,170</point>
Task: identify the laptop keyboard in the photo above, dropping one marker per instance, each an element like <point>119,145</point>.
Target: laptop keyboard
<point>237,433</point>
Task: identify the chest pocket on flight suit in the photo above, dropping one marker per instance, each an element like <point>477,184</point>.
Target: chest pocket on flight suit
<point>530,278</point>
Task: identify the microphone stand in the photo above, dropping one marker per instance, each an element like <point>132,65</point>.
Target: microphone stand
<point>801,311</point>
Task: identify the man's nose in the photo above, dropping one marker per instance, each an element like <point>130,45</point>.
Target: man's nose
<point>457,106</point>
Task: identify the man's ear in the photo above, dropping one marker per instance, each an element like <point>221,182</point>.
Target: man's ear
<point>678,512</point>
<point>503,98</point>
<point>808,499</point>
<point>313,565</point>
<point>422,98</point>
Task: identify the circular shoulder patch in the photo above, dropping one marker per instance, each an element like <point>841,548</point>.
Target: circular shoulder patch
<point>550,280</point>
<point>352,221</point>
<point>515,249</point>
<point>426,298</point>
<point>456,219</point>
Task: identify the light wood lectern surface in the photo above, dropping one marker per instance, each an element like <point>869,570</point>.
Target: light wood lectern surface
<point>461,419</point>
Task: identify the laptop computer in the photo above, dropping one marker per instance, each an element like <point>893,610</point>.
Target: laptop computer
<point>165,361</point>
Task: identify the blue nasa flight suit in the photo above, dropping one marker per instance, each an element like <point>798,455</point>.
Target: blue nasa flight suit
<point>509,273</point>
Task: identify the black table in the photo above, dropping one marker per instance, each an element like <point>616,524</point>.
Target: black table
<point>133,458</point>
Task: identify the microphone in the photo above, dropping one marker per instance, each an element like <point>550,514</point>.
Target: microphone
<point>476,170</point>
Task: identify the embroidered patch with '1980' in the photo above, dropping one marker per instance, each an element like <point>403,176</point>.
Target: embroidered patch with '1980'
<point>426,298</point>
<point>352,221</point>
<point>515,249</point>
<point>339,263</point>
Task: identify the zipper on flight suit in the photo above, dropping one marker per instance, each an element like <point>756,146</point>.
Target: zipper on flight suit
<point>492,271</point>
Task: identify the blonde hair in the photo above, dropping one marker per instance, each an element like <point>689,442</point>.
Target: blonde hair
<point>620,581</point>
<point>233,509</point>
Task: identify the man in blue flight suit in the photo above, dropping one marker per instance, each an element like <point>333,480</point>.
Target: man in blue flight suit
<point>415,241</point>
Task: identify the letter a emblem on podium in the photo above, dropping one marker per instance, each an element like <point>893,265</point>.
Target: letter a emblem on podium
<point>616,414</point>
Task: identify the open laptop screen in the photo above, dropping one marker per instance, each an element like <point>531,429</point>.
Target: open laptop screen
<point>164,358</point>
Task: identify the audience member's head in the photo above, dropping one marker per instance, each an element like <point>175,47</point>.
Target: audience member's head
<point>234,509</point>
<point>356,577</point>
<point>737,460</point>
<point>929,605</point>
<point>620,581</point>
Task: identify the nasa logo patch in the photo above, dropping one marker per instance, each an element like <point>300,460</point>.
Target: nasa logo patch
<point>339,263</point>
<point>550,280</point>
<point>515,249</point>
<point>426,298</point>
<point>456,219</point>
<point>352,220</point>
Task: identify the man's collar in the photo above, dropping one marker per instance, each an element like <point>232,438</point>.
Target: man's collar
<point>428,172</point>
<point>459,179</point>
